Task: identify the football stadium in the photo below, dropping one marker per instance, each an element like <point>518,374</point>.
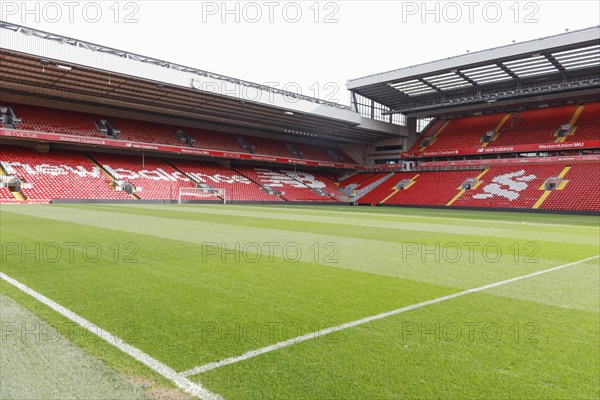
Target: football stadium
<point>167,232</point>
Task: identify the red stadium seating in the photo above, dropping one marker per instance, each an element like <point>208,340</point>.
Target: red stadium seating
<point>42,119</point>
<point>356,179</point>
<point>510,186</point>
<point>432,188</point>
<point>6,195</point>
<point>588,124</point>
<point>58,175</point>
<point>581,192</point>
<point>291,189</point>
<point>158,180</point>
<point>145,132</point>
<point>534,126</point>
<point>317,181</point>
<point>374,178</point>
<point>384,190</point>
<point>429,131</point>
<point>213,140</point>
<point>237,186</point>
<point>465,132</point>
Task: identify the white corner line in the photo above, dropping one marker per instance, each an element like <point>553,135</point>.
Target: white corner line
<point>167,372</point>
<point>298,339</point>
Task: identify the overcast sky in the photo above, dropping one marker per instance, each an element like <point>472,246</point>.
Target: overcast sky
<point>308,46</point>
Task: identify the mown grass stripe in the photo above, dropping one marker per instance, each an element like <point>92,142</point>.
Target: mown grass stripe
<point>327,331</point>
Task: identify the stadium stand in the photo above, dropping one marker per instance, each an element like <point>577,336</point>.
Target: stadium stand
<point>432,188</point>
<point>581,191</point>
<point>213,140</point>
<point>386,189</point>
<point>509,186</point>
<point>319,182</point>
<point>431,130</point>
<point>6,194</point>
<point>58,175</point>
<point>464,132</point>
<point>588,123</point>
<point>42,119</point>
<point>145,132</point>
<point>355,179</point>
<point>289,188</point>
<point>157,179</point>
<point>237,186</point>
<point>534,126</point>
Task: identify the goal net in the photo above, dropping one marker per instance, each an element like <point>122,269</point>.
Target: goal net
<point>187,194</point>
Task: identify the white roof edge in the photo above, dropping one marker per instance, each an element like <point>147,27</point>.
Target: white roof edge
<point>73,52</point>
<point>515,49</point>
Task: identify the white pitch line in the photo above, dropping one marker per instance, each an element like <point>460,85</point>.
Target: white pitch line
<point>190,387</point>
<point>298,339</point>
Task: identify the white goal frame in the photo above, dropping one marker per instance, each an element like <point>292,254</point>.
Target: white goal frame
<point>202,193</point>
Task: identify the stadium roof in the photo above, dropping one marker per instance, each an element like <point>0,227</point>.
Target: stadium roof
<point>560,64</point>
<point>45,65</point>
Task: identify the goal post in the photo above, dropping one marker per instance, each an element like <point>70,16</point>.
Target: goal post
<point>202,193</point>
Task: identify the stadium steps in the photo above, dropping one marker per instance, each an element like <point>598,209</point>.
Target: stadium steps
<point>191,178</point>
<point>462,191</point>
<point>412,182</point>
<point>108,174</point>
<point>576,114</point>
<point>547,193</point>
<point>436,135</point>
<point>306,186</point>
<point>17,195</point>
<point>497,130</point>
<point>367,189</point>
<point>247,176</point>
<point>572,122</point>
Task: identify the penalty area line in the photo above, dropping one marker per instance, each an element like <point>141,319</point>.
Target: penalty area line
<point>194,389</point>
<point>313,335</point>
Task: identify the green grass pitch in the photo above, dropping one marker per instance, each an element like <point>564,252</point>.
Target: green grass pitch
<point>193,285</point>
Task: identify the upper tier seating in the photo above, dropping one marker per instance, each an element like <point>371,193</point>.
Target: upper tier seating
<point>42,119</point>
<point>145,132</point>
<point>50,120</point>
<point>465,132</point>
<point>534,126</point>
<point>58,175</point>
<point>213,140</point>
<point>429,131</point>
<point>526,127</point>
<point>588,124</point>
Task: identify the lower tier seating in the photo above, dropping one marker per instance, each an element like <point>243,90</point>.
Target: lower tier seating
<point>74,175</point>
<point>58,175</point>
<point>237,186</point>
<point>581,191</point>
<point>432,188</point>
<point>6,194</point>
<point>510,186</point>
<point>157,179</point>
<point>291,185</point>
